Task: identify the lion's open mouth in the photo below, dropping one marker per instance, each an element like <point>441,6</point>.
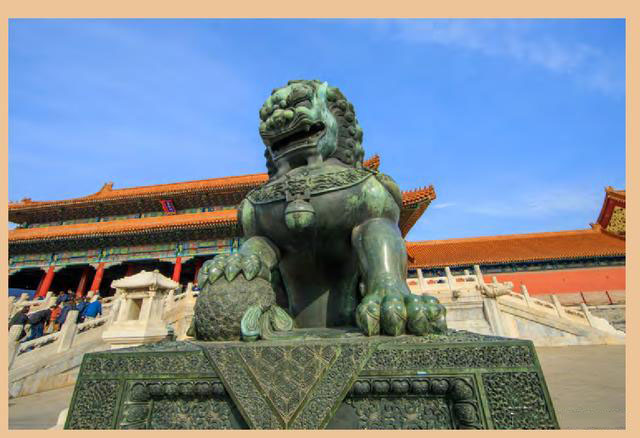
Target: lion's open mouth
<point>304,136</point>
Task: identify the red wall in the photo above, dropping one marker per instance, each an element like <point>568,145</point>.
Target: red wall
<point>566,281</point>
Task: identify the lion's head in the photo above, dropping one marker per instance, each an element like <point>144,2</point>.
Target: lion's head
<point>309,118</point>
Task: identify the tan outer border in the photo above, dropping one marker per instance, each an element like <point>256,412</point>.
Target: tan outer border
<point>359,8</point>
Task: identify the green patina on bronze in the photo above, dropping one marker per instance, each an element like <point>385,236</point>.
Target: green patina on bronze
<point>333,379</point>
<point>324,225</point>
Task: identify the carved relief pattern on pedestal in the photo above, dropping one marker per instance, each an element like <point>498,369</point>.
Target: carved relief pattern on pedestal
<point>180,404</point>
<point>486,356</point>
<point>327,395</point>
<point>441,402</point>
<point>286,375</point>
<point>133,364</point>
<point>517,401</point>
<point>248,398</point>
<point>401,413</point>
<point>289,386</point>
<point>377,382</point>
<point>95,404</point>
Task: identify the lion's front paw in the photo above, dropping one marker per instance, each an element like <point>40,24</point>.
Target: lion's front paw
<point>230,266</point>
<point>396,314</point>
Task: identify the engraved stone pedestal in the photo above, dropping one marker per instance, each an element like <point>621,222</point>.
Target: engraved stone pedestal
<point>326,379</point>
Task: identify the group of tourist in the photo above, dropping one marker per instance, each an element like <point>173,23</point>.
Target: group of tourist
<point>50,320</point>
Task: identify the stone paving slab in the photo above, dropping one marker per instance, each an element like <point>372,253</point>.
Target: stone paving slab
<point>38,411</point>
<point>587,386</point>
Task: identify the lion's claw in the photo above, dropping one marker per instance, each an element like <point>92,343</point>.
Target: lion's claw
<point>251,266</point>
<point>368,315</point>
<point>395,314</point>
<point>233,267</point>
<point>230,266</point>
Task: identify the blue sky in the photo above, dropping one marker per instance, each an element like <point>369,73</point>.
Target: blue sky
<point>518,124</point>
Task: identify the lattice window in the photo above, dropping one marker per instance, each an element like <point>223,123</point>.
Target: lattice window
<point>617,222</point>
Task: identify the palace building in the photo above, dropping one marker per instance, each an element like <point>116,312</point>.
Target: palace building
<point>578,265</point>
<point>84,243</point>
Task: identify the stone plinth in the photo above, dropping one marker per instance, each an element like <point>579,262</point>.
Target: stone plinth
<point>139,316</point>
<point>324,379</point>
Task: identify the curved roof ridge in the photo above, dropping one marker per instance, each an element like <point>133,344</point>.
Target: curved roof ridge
<point>505,237</point>
<point>124,225</point>
<point>197,181</point>
<point>372,162</point>
<point>107,191</point>
<point>418,194</point>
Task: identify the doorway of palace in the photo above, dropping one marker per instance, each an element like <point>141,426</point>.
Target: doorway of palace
<point>69,278</point>
<point>27,278</point>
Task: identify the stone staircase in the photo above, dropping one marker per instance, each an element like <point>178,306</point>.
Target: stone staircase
<point>52,361</point>
<point>495,308</point>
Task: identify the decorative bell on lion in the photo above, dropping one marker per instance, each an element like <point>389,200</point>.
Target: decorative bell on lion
<point>299,215</point>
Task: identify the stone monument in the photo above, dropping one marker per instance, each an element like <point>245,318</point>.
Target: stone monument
<point>311,324</point>
<point>138,319</point>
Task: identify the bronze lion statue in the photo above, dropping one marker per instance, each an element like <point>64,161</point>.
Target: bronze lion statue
<point>321,236</point>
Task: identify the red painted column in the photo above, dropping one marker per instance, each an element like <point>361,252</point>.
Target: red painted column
<point>130,269</point>
<point>82,285</point>
<point>177,268</point>
<point>95,286</point>
<point>44,274</point>
<point>198,266</point>
<point>46,283</point>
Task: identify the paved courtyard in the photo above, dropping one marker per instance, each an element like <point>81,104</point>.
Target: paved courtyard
<point>587,385</point>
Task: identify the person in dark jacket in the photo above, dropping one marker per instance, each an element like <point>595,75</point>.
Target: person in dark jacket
<point>71,305</point>
<point>21,318</point>
<point>63,297</point>
<point>37,321</point>
<point>81,306</point>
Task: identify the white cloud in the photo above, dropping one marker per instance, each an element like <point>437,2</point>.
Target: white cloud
<point>513,39</point>
<point>444,205</point>
<point>543,202</point>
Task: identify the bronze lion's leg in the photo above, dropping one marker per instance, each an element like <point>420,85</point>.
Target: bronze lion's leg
<point>388,306</point>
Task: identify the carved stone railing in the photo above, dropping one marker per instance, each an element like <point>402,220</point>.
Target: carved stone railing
<point>581,316</point>
<point>470,288</point>
<point>15,305</point>
<point>34,305</point>
<point>555,308</point>
<point>175,297</point>
<point>25,347</point>
<point>91,324</point>
<point>60,341</point>
<point>178,310</point>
